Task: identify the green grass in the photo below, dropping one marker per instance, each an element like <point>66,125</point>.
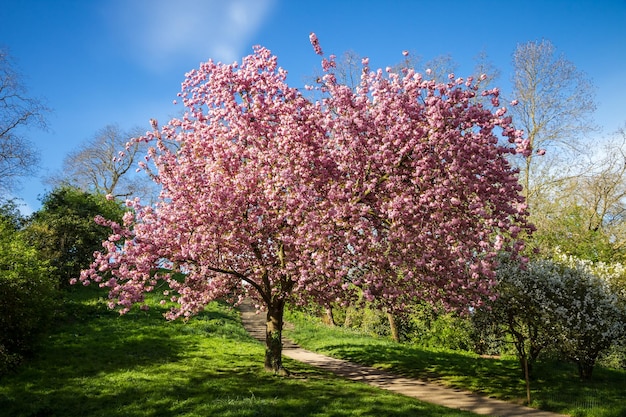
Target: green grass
<point>556,387</point>
<point>97,363</point>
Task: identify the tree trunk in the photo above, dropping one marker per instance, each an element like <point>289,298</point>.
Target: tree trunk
<point>273,338</point>
<point>393,326</point>
<point>330,318</point>
<point>527,379</point>
<point>585,369</point>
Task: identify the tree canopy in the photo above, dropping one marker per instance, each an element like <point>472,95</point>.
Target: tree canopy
<point>400,188</point>
<point>64,231</point>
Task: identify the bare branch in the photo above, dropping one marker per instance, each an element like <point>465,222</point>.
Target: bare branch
<point>18,156</point>
<point>556,102</point>
<point>98,166</point>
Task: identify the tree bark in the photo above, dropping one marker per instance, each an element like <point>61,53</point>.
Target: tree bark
<point>273,338</point>
<point>330,318</point>
<point>527,379</point>
<point>393,326</point>
<point>585,369</point>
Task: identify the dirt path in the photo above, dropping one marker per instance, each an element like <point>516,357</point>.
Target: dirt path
<point>429,392</point>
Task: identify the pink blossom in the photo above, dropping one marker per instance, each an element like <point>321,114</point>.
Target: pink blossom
<point>316,44</point>
<point>272,196</point>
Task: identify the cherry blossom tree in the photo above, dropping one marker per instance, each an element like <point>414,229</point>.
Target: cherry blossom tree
<point>399,189</point>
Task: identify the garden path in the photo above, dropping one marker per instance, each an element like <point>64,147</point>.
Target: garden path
<point>425,391</point>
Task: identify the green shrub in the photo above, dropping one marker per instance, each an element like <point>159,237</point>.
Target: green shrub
<point>441,331</point>
<point>26,296</point>
<point>614,357</point>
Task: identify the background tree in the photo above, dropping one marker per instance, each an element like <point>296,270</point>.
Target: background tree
<point>64,231</point>
<point>11,215</point>
<point>18,111</point>
<point>602,190</point>
<point>555,106</point>
<point>584,214</point>
<point>273,197</point>
<point>105,165</point>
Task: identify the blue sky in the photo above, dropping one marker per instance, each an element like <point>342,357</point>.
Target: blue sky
<point>122,61</point>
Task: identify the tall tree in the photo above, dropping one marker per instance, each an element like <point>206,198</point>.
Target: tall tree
<point>18,157</point>
<point>555,106</point>
<point>277,198</point>
<point>585,215</point>
<point>106,164</point>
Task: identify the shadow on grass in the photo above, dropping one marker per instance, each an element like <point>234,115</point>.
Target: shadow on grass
<point>455,369</point>
<point>555,387</point>
<point>97,363</point>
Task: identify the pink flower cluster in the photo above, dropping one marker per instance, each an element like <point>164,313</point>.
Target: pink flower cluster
<point>400,188</point>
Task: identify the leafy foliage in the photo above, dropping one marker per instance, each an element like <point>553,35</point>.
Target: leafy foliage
<point>27,295</point>
<point>64,231</point>
<point>566,226</point>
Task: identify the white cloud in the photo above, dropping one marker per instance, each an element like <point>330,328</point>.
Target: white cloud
<point>156,32</point>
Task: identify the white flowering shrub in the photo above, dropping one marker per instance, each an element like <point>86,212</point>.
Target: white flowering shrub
<point>564,303</point>
<point>596,317</point>
<point>613,274</point>
<point>522,310</point>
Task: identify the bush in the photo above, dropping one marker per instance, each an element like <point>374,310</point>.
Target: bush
<point>368,320</point>
<point>559,305</point>
<point>26,296</point>
<point>426,327</point>
<point>614,357</point>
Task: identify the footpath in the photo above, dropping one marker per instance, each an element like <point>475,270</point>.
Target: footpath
<point>424,391</point>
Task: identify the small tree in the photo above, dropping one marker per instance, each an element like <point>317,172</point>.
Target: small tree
<point>398,188</point>
<point>526,298</point>
<point>559,304</point>
<point>594,318</point>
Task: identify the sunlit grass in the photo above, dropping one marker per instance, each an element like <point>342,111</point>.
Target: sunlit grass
<point>556,387</point>
<point>97,363</point>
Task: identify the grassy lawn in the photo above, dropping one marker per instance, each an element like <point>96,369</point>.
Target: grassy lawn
<point>97,363</point>
<point>556,388</point>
